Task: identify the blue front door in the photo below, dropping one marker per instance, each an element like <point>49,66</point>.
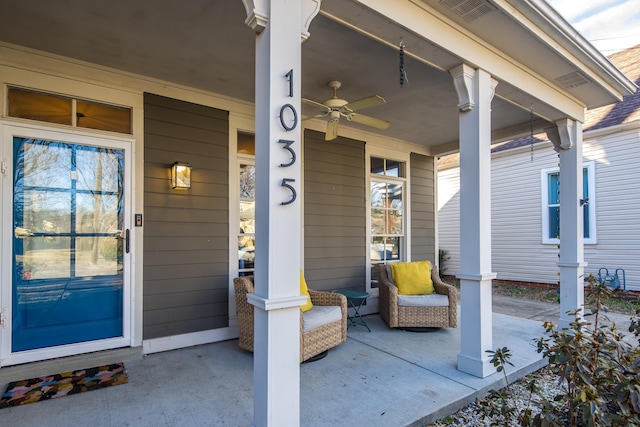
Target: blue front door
<point>68,243</point>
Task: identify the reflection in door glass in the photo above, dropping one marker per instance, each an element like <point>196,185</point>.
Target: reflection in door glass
<point>68,257</point>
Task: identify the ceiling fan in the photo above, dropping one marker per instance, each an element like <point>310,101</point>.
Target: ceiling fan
<point>336,107</point>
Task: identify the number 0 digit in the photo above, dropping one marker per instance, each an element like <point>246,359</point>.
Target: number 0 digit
<point>295,117</point>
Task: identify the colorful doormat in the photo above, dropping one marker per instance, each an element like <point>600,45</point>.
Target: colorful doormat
<point>59,385</point>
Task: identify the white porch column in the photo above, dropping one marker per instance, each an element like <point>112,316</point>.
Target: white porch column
<point>567,140</point>
<point>475,89</point>
<point>280,25</point>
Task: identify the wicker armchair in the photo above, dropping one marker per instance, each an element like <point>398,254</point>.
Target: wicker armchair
<point>397,316</point>
<point>312,342</point>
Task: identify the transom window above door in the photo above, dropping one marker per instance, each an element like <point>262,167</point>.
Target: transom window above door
<point>52,108</point>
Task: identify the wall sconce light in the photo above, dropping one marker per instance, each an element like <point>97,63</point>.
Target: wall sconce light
<point>181,176</point>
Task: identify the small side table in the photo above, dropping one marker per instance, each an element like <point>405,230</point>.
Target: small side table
<point>355,299</point>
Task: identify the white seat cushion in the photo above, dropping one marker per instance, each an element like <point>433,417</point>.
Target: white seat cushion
<point>431,300</point>
<point>320,315</point>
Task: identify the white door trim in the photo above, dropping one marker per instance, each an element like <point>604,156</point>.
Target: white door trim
<point>7,131</point>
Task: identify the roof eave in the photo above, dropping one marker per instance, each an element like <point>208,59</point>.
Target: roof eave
<point>568,37</point>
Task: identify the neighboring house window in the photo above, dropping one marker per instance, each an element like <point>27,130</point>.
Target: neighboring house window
<point>386,211</point>
<point>246,210</point>
<point>551,183</point>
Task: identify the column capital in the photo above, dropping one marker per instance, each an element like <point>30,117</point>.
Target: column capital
<point>465,81</point>
<point>561,135</point>
<point>310,9</point>
<point>258,15</point>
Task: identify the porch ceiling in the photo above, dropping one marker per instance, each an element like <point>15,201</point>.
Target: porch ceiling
<point>207,46</point>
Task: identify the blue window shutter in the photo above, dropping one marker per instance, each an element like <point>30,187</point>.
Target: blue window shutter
<point>585,206</point>
<point>553,204</point>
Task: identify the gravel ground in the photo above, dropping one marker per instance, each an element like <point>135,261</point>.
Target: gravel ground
<point>471,415</point>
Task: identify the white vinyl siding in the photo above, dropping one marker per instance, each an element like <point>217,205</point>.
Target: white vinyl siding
<point>618,207</point>
<point>449,218</point>
<point>517,250</point>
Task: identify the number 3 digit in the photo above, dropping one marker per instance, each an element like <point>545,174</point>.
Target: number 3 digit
<point>287,146</point>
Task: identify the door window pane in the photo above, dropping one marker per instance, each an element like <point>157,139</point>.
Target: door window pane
<point>42,165</point>
<point>97,256</point>
<point>96,169</point>
<point>97,213</point>
<point>45,257</point>
<point>45,211</point>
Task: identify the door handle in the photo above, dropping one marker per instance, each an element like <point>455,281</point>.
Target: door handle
<point>125,238</point>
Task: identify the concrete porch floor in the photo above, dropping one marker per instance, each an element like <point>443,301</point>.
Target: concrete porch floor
<point>380,378</point>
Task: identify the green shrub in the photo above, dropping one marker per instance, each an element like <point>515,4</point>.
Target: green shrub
<point>599,368</point>
<point>443,257</point>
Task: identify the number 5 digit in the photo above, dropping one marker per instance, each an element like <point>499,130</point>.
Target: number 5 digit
<point>285,183</point>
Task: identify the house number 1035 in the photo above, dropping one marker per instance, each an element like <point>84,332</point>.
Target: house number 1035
<point>289,121</point>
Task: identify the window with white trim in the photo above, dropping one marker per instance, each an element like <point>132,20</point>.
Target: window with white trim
<point>246,208</point>
<point>551,204</point>
<point>386,212</point>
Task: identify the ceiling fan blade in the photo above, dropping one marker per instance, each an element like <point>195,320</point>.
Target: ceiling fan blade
<point>314,117</point>
<point>322,107</point>
<point>332,130</point>
<point>371,101</point>
<point>369,121</point>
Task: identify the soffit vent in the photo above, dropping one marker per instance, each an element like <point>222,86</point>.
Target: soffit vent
<point>469,10</point>
<point>572,80</point>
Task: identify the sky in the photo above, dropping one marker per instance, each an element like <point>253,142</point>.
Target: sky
<point>609,25</point>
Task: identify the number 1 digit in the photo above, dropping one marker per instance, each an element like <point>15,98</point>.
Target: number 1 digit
<point>289,76</point>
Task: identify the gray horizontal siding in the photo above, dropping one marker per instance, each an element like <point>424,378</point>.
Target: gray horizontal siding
<point>334,213</point>
<point>186,233</point>
<point>422,182</point>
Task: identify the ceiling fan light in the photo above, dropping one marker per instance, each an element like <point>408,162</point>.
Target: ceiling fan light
<point>332,130</point>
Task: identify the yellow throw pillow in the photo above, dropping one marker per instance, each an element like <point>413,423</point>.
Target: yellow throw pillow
<point>413,278</point>
<point>305,291</point>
